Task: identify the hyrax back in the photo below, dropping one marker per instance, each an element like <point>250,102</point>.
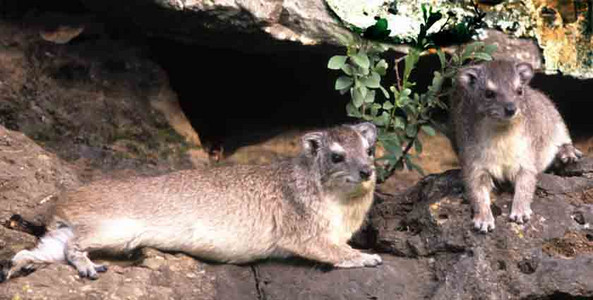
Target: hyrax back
<point>308,206</point>
<point>504,130</point>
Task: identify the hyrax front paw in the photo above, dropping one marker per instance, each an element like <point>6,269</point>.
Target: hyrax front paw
<point>568,154</point>
<point>362,260</point>
<point>484,222</point>
<point>520,214</point>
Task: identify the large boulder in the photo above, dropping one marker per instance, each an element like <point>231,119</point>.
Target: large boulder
<point>99,102</point>
<point>551,255</point>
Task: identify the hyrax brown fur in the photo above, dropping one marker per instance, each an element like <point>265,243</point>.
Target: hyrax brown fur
<point>504,130</point>
<point>308,206</point>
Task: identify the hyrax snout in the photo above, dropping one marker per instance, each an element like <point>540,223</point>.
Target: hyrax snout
<point>504,130</point>
<point>308,206</point>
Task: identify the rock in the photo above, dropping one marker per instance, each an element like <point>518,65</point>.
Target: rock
<point>98,102</point>
<point>30,178</point>
<point>563,32</point>
<point>519,49</point>
<point>430,249</point>
<point>549,256</point>
<point>396,278</point>
<point>227,23</point>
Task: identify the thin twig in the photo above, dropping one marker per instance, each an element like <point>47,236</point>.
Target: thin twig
<point>400,160</point>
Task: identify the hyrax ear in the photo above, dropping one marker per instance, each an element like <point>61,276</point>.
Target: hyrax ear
<point>525,71</point>
<point>312,141</point>
<point>368,131</point>
<point>468,76</point>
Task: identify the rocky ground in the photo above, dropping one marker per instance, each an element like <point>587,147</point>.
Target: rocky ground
<point>424,234</point>
<point>69,115</point>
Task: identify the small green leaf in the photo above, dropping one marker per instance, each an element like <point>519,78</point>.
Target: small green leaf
<point>377,31</point>
<point>393,148</point>
<point>348,69</point>
<point>399,123</point>
<point>361,59</point>
<point>337,62</point>
<point>370,97</point>
<point>411,130</point>
<point>429,130</point>
<point>357,96</point>
<point>372,81</point>
<point>362,71</point>
<point>406,93</point>
<point>352,111</point>
<point>381,67</point>
<point>375,109</point>
<point>344,91</point>
<point>455,59</point>
<point>390,136</point>
<point>442,58</point>
<point>410,63</point>
<point>343,82</point>
<point>385,93</point>
<point>382,120</point>
<point>387,105</point>
<point>482,56</point>
<point>490,48</point>
<point>412,166</point>
<point>418,146</point>
<point>471,48</point>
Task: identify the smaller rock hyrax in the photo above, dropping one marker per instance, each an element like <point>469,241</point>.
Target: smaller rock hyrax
<point>307,206</point>
<point>504,130</point>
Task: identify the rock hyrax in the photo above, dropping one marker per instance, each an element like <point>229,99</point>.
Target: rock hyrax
<point>308,206</point>
<point>504,130</point>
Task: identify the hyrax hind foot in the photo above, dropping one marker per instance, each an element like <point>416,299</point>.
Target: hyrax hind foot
<point>362,260</point>
<point>568,154</point>
<point>84,266</point>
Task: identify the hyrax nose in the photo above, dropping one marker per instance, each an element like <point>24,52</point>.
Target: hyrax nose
<point>365,173</point>
<point>510,109</point>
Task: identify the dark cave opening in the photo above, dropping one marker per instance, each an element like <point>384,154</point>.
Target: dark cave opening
<point>236,98</point>
<point>244,94</point>
<point>571,98</point>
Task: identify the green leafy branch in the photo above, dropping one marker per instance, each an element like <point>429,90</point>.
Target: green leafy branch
<point>400,113</point>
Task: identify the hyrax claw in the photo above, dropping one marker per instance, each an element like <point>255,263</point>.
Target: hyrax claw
<point>363,260</point>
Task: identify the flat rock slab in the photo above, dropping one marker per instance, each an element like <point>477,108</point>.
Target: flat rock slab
<point>396,278</point>
<point>551,255</point>
<point>425,235</point>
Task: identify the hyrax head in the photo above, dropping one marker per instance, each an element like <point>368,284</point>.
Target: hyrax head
<point>344,155</point>
<point>495,88</point>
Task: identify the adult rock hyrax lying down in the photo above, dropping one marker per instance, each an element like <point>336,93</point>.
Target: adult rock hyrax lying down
<point>504,130</point>
<point>308,206</point>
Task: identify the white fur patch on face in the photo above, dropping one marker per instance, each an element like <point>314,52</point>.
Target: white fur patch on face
<point>517,82</point>
<point>335,147</point>
<point>365,143</point>
<point>491,85</point>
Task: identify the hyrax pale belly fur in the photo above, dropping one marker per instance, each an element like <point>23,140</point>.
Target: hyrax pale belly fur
<point>308,206</point>
<point>504,130</point>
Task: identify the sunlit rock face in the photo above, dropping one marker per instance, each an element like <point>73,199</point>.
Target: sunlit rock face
<point>562,28</point>
<point>563,31</point>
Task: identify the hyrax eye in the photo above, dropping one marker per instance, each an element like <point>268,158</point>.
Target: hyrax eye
<point>520,91</point>
<point>337,158</point>
<point>489,94</point>
<point>371,151</point>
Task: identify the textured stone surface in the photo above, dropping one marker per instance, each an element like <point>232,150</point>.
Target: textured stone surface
<point>550,255</point>
<point>97,102</point>
<point>425,235</point>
